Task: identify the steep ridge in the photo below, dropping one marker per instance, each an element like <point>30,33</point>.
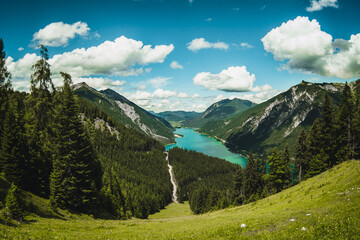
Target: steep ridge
<point>217,113</point>
<point>277,121</point>
<point>127,112</point>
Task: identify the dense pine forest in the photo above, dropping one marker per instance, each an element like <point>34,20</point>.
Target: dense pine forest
<point>64,149</point>
<point>198,175</point>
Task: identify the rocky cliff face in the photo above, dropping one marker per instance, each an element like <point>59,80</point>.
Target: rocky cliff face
<point>278,121</point>
<point>127,112</point>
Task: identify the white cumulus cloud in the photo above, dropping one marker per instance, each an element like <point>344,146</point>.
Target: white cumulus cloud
<point>176,65</point>
<point>158,81</point>
<point>200,43</point>
<point>59,33</point>
<point>161,93</point>
<point>118,57</point>
<point>121,57</point>
<point>232,79</point>
<point>317,5</point>
<point>304,47</point>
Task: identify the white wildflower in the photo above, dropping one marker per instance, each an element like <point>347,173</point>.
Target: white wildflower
<point>243,225</point>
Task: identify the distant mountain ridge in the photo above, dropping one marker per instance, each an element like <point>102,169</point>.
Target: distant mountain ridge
<point>177,116</point>
<point>218,112</point>
<point>126,112</point>
<point>276,122</point>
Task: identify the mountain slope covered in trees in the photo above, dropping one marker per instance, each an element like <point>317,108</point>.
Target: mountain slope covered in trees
<point>218,113</point>
<point>277,121</point>
<point>68,150</point>
<point>177,116</point>
<point>127,112</point>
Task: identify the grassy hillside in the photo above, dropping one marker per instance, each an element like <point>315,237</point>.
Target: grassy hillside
<point>326,206</point>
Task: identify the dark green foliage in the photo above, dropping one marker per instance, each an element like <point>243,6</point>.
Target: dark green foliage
<point>72,184</point>
<point>139,178</point>
<point>317,156</point>
<point>193,169</point>
<point>252,178</point>
<point>278,171</point>
<point>302,155</point>
<point>238,186</point>
<point>343,130</point>
<point>4,74</point>
<point>327,140</point>
<point>39,116</point>
<point>201,178</point>
<point>14,151</point>
<point>356,122</point>
<point>13,206</point>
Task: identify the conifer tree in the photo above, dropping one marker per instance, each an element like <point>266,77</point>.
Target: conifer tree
<point>302,155</point>
<point>72,177</point>
<point>251,182</point>
<point>317,157</point>
<point>356,122</point>
<point>13,206</point>
<point>39,111</point>
<point>327,140</point>
<point>238,186</point>
<point>344,122</point>
<point>277,172</point>
<point>4,87</point>
<point>287,160</point>
<point>14,152</point>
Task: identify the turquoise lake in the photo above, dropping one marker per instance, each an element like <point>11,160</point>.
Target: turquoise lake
<point>192,140</point>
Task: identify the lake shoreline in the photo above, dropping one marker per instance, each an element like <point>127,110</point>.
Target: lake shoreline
<point>192,139</point>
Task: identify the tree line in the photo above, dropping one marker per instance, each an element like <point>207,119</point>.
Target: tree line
<point>332,139</point>
<point>49,146</point>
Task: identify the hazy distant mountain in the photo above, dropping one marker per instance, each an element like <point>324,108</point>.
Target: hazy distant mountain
<point>218,113</point>
<point>127,112</point>
<point>177,116</point>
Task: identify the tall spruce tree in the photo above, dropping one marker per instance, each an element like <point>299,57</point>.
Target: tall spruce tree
<point>344,127</point>
<point>13,205</point>
<point>287,160</point>
<point>251,182</point>
<point>317,157</point>
<point>4,87</point>
<point>277,172</point>
<point>72,178</point>
<point>327,140</point>
<point>238,186</point>
<point>39,111</point>
<point>302,155</point>
<point>14,151</point>
<point>356,122</point>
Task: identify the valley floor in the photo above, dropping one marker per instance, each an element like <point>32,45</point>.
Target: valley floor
<point>326,206</point>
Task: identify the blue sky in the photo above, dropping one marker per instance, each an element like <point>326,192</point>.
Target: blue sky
<point>201,51</point>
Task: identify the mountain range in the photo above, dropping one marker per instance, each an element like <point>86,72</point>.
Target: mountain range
<point>242,125</point>
<point>276,122</point>
<point>126,112</point>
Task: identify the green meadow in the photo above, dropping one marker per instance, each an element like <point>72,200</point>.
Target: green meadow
<point>324,207</point>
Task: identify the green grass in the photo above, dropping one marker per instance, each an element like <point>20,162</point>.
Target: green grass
<point>332,199</point>
<point>174,210</point>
